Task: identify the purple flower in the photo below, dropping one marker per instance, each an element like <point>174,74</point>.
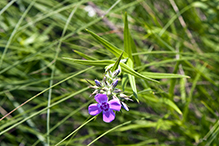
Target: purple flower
<point>104,106</point>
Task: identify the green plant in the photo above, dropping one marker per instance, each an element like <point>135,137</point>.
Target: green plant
<point>167,51</point>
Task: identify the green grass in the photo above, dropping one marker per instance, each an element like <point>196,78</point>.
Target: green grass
<point>48,48</point>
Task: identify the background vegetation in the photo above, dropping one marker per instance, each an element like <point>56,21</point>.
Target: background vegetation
<point>173,40</point>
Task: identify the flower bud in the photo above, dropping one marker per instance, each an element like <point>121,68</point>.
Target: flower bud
<point>93,87</point>
<point>117,90</point>
<point>95,92</point>
<point>128,99</point>
<point>115,82</point>
<point>116,72</point>
<point>105,89</point>
<point>125,106</point>
<point>105,82</point>
<point>123,95</point>
<point>98,83</point>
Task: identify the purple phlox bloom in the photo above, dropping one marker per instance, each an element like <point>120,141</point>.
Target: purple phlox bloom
<point>104,106</point>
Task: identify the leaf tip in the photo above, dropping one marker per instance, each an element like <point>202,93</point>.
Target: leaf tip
<point>89,82</point>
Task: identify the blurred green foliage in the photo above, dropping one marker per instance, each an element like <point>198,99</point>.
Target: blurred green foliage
<point>172,40</point>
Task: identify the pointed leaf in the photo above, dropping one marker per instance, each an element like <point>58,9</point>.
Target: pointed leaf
<point>134,73</point>
<point>128,50</point>
<point>132,80</point>
<point>127,39</point>
<point>136,58</point>
<point>124,81</point>
<point>163,75</point>
<point>115,66</point>
<point>84,55</point>
<point>90,82</point>
<point>117,52</point>
<point>171,104</point>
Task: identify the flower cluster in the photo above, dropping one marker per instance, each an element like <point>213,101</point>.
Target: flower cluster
<point>107,89</point>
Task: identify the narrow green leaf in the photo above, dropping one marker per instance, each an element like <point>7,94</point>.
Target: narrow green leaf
<point>128,50</point>
<point>108,131</point>
<point>136,58</point>
<point>173,82</point>
<point>115,66</point>
<point>163,75</point>
<point>132,80</point>
<point>189,99</point>
<point>147,124</point>
<point>127,39</point>
<point>183,90</point>
<point>150,97</point>
<point>129,44</point>
<point>213,136</point>
<point>139,124</point>
<point>164,62</point>
<point>88,81</point>
<point>212,132</point>
<point>124,81</point>
<point>209,108</point>
<point>203,75</point>
<point>84,55</point>
<point>171,104</point>
<point>167,101</point>
<point>134,73</point>
<point>117,52</point>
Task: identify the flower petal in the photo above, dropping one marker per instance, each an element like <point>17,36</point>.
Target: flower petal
<point>108,116</point>
<point>115,104</point>
<point>100,98</point>
<point>94,109</point>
